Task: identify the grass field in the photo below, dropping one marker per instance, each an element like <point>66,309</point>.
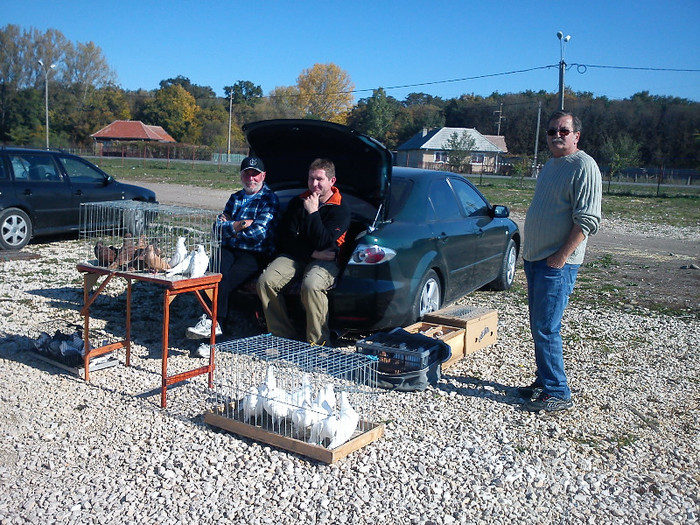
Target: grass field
<point>675,205</point>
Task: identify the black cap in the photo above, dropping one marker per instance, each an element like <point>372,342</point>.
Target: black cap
<point>253,163</point>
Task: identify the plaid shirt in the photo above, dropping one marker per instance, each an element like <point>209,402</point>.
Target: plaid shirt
<point>262,208</point>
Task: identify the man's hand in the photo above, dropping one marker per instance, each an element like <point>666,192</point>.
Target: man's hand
<point>324,255</point>
<point>556,260</point>
<point>241,225</point>
<point>311,203</point>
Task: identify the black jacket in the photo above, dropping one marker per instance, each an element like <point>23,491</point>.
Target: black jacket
<point>301,232</point>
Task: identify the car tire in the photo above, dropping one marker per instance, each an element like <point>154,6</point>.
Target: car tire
<point>15,229</point>
<point>429,295</point>
<point>506,274</point>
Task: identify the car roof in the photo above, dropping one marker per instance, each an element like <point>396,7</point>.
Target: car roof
<point>288,146</point>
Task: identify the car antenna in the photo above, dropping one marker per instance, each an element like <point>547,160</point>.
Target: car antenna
<point>373,226</point>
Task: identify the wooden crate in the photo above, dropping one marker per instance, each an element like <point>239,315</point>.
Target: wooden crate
<point>480,325</point>
<point>215,418</point>
<point>452,335</point>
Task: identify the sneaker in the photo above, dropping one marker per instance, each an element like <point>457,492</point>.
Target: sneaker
<point>201,351</point>
<point>529,392</point>
<point>202,329</point>
<point>548,403</point>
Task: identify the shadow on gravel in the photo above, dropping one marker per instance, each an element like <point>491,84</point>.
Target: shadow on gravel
<point>473,387</point>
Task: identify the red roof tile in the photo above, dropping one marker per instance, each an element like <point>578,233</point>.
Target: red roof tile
<point>132,130</point>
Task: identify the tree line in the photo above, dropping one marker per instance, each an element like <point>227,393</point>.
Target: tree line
<point>644,130</point>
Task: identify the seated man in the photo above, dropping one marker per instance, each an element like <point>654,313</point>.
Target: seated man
<point>247,239</point>
<point>311,232</point>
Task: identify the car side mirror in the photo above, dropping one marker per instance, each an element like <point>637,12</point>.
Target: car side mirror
<point>500,212</point>
<point>108,180</point>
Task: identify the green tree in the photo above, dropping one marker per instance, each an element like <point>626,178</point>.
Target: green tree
<point>86,67</point>
<point>325,93</point>
<point>620,153</point>
<point>282,102</point>
<point>175,110</point>
<point>376,116</point>
<point>459,149</point>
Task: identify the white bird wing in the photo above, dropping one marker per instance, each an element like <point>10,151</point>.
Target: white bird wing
<point>181,267</point>
<point>348,419</point>
<point>251,404</point>
<point>199,263</point>
<point>180,252</point>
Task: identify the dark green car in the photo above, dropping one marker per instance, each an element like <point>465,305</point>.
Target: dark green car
<point>419,238</point>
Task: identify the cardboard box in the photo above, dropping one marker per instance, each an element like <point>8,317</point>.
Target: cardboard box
<point>480,324</point>
<point>452,335</point>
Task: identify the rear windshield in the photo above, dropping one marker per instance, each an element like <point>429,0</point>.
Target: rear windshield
<point>400,190</point>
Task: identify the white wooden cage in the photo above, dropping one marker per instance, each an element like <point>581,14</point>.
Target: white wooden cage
<point>138,236</point>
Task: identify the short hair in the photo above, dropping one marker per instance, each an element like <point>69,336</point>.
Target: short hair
<point>323,164</point>
<point>561,113</point>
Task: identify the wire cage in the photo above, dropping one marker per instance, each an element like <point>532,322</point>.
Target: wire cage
<point>319,395</point>
<point>174,242</point>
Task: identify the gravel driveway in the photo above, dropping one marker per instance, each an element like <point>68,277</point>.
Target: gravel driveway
<point>462,452</point>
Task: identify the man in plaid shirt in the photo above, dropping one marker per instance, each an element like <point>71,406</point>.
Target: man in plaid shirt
<point>247,240</point>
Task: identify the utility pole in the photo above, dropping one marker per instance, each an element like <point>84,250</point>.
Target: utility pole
<point>537,138</point>
<point>230,107</point>
<point>500,118</point>
<point>562,65</point>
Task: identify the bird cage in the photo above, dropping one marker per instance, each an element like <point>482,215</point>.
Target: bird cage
<point>175,242</point>
<point>288,393</point>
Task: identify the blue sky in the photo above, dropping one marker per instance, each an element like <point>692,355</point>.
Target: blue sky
<point>419,44</point>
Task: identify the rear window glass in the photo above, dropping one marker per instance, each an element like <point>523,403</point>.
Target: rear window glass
<point>34,167</point>
<point>400,190</point>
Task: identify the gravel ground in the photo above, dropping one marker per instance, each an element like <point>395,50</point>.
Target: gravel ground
<point>461,452</point>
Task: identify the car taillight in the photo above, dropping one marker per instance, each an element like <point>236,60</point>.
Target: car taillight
<point>374,254</point>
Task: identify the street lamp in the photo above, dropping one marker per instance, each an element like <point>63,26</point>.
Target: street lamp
<point>47,70</point>
<point>562,65</point>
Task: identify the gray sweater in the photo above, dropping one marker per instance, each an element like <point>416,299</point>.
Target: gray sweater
<point>568,192</point>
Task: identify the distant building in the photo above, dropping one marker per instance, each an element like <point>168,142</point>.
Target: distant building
<point>428,149</point>
<point>131,130</point>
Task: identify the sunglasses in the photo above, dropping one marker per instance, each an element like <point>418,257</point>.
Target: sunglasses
<point>563,132</point>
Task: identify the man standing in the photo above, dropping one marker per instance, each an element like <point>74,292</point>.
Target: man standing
<point>565,210</point>
<point>247,239</point>
<point>311,232</point>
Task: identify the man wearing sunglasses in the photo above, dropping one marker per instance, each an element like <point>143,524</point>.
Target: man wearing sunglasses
<point>565,210</point>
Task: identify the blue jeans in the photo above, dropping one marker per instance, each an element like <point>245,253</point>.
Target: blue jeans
<point>548,291</point>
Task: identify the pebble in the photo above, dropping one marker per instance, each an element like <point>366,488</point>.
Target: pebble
<point>461,452</point>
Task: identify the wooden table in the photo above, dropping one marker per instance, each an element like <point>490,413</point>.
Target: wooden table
<point>208,284</point>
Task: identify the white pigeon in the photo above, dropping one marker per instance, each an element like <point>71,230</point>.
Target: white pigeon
<point>297,398</point>
<point>303,418</point>
<point>180,253</point>
<point>274,400</point>
<point>198,263</point>
<point>182,267</point>
<point>252,404</point>
<point>322,408</point>
<point>348,419</point>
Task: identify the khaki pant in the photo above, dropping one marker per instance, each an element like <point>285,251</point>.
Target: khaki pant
<point>318,277</point>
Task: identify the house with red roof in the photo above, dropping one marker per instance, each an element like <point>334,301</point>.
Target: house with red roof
<point>131,130</point>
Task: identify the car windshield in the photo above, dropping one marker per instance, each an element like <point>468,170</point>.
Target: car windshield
<point>400,190</point>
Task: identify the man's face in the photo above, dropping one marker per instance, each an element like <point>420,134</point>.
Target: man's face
<point>252,180</point>
<point>320,184</point>
<point>562,144</point>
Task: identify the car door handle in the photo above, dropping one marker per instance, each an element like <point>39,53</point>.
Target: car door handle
<point>480,233</point>
<point>78,192</point>
<point>27,192</point>
<point>442,238</point>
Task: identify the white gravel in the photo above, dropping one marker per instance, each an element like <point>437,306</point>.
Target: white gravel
<point>105,452</point>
